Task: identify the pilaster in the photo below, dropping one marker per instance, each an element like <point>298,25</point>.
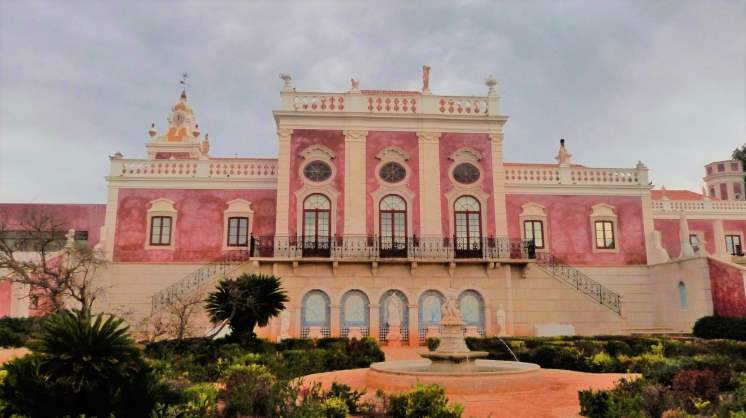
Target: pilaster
<point>283,181</point>
<point>354,178</point>
<point>414,326</point>
<point>649,228</point>
<point>335,321</point>
<point>429,176</point>
<point>375,315</point>
<point>498,185</point>
<point>720,250</point>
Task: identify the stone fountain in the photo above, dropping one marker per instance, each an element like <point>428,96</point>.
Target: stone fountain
<point>452,365</point>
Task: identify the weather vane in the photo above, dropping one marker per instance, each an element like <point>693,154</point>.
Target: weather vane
<point>183,81</point>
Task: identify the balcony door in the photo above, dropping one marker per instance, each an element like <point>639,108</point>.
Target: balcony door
<point>393,226</point>
<point>467,214</point>
<point>316,226</point>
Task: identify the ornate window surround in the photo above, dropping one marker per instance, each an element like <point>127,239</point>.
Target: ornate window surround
<point>604,212</point>
<point>474,191</point>
<point>317,152</point>
<point>466,155</point>
<point>307,190</point>
<point>161,207</point>
<point>535,212</point>
<point>382,192</point>
<point>392,154</point>
<point>237,208</point>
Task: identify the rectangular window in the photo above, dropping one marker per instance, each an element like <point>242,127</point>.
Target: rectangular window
<point>605,235</point>
<point>238,232</point>
<point>534,230</point>
<point>160,230</point>
<point>693,240</point>
<point>733,244</point>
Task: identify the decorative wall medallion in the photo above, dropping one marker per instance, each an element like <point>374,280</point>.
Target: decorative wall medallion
<point>317,171</point>
<point>466,173</point>
<point>392,172</point>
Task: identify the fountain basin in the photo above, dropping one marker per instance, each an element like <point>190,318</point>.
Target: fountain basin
<point>468,377</point>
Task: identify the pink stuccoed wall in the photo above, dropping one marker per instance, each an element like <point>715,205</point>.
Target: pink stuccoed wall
<point>199,225</point>
<point>300,140</point>
<point>569,230</point>
<point>83,217</point>
<point>375,143</point>
<point>728,293</point>
<point>449,143</point>
<point>669,229</point>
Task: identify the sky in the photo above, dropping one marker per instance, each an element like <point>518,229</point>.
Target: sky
<point>621,81</point>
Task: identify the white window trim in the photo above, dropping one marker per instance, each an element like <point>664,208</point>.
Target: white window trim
<point>604,212</point>
<point>309,189</point>
<point>161,207</point>
<point>382,192</point>
<point>317,152</point>
<point>237,208</point>
<point>535,212</point>
<point>397,155</point>
<point>739,233</point>
<point>700,238</point>
<point>475,192</point>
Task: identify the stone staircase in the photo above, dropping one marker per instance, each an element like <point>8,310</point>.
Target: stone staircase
<point>573,277</point>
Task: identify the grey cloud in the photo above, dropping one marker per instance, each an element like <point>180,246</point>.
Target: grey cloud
<point>658,81</point>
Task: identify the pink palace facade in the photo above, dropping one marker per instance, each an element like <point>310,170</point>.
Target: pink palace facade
<point>382,203</point>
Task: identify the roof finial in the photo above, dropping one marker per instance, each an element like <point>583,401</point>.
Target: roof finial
<point>183,82</point>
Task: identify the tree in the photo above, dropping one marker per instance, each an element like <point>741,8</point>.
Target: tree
<point>740,154</point>
<point>81,365</point>
<point>246,302</point>
<point>40,251</point>
<point>180,313</point>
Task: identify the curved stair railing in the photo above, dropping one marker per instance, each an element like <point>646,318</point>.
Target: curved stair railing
<point>197,279</point>
<point>580,281</point>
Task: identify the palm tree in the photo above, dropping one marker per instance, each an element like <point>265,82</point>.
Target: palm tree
<point>246,302</point>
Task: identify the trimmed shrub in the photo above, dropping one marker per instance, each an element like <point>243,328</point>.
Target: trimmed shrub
<point>15,332</point>
<point>248,391</point>
<point>594,404</point>
<point>422,401</point>
<point>715,327</point>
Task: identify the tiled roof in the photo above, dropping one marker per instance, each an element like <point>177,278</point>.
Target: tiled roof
<point>676,195</point>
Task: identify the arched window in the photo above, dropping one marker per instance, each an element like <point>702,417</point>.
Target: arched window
<point>430,304</point>
<point>394,311</point>
<point>316,226</point>
<point>468,227</point>
<point>315,313</point>
<point>683,298</point>
<point>393,226</point>
<point>355,312</point>
<point>471,305</point>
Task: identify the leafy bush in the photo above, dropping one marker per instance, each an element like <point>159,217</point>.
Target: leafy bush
<point>350,397</point>
<point>711,327</point>
<point>433,343</point>
<point>82,365</point>
<point>422,401</point>
<point>594,404</point>
<point>248,391</point>
<point>15,332</point>
<point>334,407</point>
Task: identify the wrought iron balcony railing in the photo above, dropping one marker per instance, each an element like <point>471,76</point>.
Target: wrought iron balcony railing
<point>373,248</point>
<point>577,279</point>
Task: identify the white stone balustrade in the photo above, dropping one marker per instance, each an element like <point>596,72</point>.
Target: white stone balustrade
<point>700,206</point>
<point>219,168</point>
<point>393,102</point>
<point>530,174</point>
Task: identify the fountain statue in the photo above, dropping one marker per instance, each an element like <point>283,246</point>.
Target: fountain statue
<point>452,365</point>
<point>452,353</point>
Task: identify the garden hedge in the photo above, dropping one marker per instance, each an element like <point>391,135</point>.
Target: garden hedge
<point>720,327</point>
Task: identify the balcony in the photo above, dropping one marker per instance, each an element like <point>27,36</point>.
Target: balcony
<point>366,248</point>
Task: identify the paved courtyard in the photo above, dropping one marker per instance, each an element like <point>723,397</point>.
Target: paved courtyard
<point>555,394</point>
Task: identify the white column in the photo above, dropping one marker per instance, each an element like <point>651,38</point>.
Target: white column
<point>686,247</point>
<point>648,227</point>
<point>429,176</point>
<point>720,250</point>
<point>107,232</point>
<point>283,181</point>
<point>498,185</point>
<point>354,193</point>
